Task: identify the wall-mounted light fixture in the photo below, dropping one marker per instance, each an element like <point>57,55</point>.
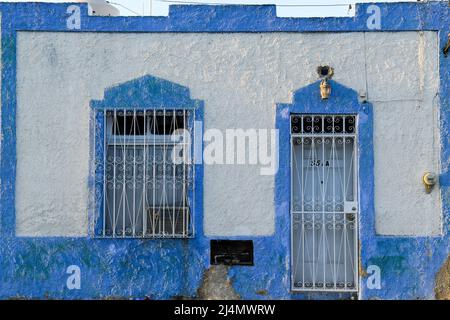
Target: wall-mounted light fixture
<point>325,73</point>
<point>429,180</point>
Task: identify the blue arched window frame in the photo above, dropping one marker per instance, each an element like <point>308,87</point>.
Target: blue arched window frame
<point>147,93</point>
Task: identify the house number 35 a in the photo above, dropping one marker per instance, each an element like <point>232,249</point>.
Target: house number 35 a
<point>319,163</point>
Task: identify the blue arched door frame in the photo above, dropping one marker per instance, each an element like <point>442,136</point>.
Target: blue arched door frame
<point>343,101</point>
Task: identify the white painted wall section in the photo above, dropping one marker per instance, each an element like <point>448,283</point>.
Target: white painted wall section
<point>240,77</point>
<point>403,88</point>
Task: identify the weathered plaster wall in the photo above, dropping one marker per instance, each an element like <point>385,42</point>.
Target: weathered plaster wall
<point>35,267</point>
<point>53,152</point>
<point>403,88</point>
<point>240,78</point>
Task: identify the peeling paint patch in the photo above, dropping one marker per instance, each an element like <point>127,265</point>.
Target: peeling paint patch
<point>262,292</point>
<point>442,286</point>
<point>216,285</point>
<point>361,271</point>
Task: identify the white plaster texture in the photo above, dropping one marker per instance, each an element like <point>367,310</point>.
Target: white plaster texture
<point>240,77</point>
<point>404,88</point>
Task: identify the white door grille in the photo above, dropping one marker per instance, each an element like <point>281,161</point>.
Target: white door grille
<point>324,204</point>
<point>145,192</point>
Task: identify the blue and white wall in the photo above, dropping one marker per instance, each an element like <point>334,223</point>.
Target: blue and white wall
<point>248,67</point>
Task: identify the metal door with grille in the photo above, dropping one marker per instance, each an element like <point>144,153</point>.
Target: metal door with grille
<point>324,203</point>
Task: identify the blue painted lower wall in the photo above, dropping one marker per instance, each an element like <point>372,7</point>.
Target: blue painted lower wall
<point>165,269</point>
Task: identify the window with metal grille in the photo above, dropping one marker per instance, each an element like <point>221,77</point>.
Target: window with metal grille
<point>147,174</point>
<point>324,202</point>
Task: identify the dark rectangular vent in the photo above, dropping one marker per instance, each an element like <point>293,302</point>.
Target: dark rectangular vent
<point>232,252</point>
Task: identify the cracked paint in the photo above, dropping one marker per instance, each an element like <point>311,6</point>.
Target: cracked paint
<point>442,286</point>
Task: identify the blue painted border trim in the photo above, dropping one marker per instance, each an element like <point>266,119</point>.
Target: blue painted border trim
<point>227,18</point>
<point>35,267</point>
<point>342,100</point>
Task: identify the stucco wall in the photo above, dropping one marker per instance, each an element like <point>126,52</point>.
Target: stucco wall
<point>240,77</point>
<point>403,81</point>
